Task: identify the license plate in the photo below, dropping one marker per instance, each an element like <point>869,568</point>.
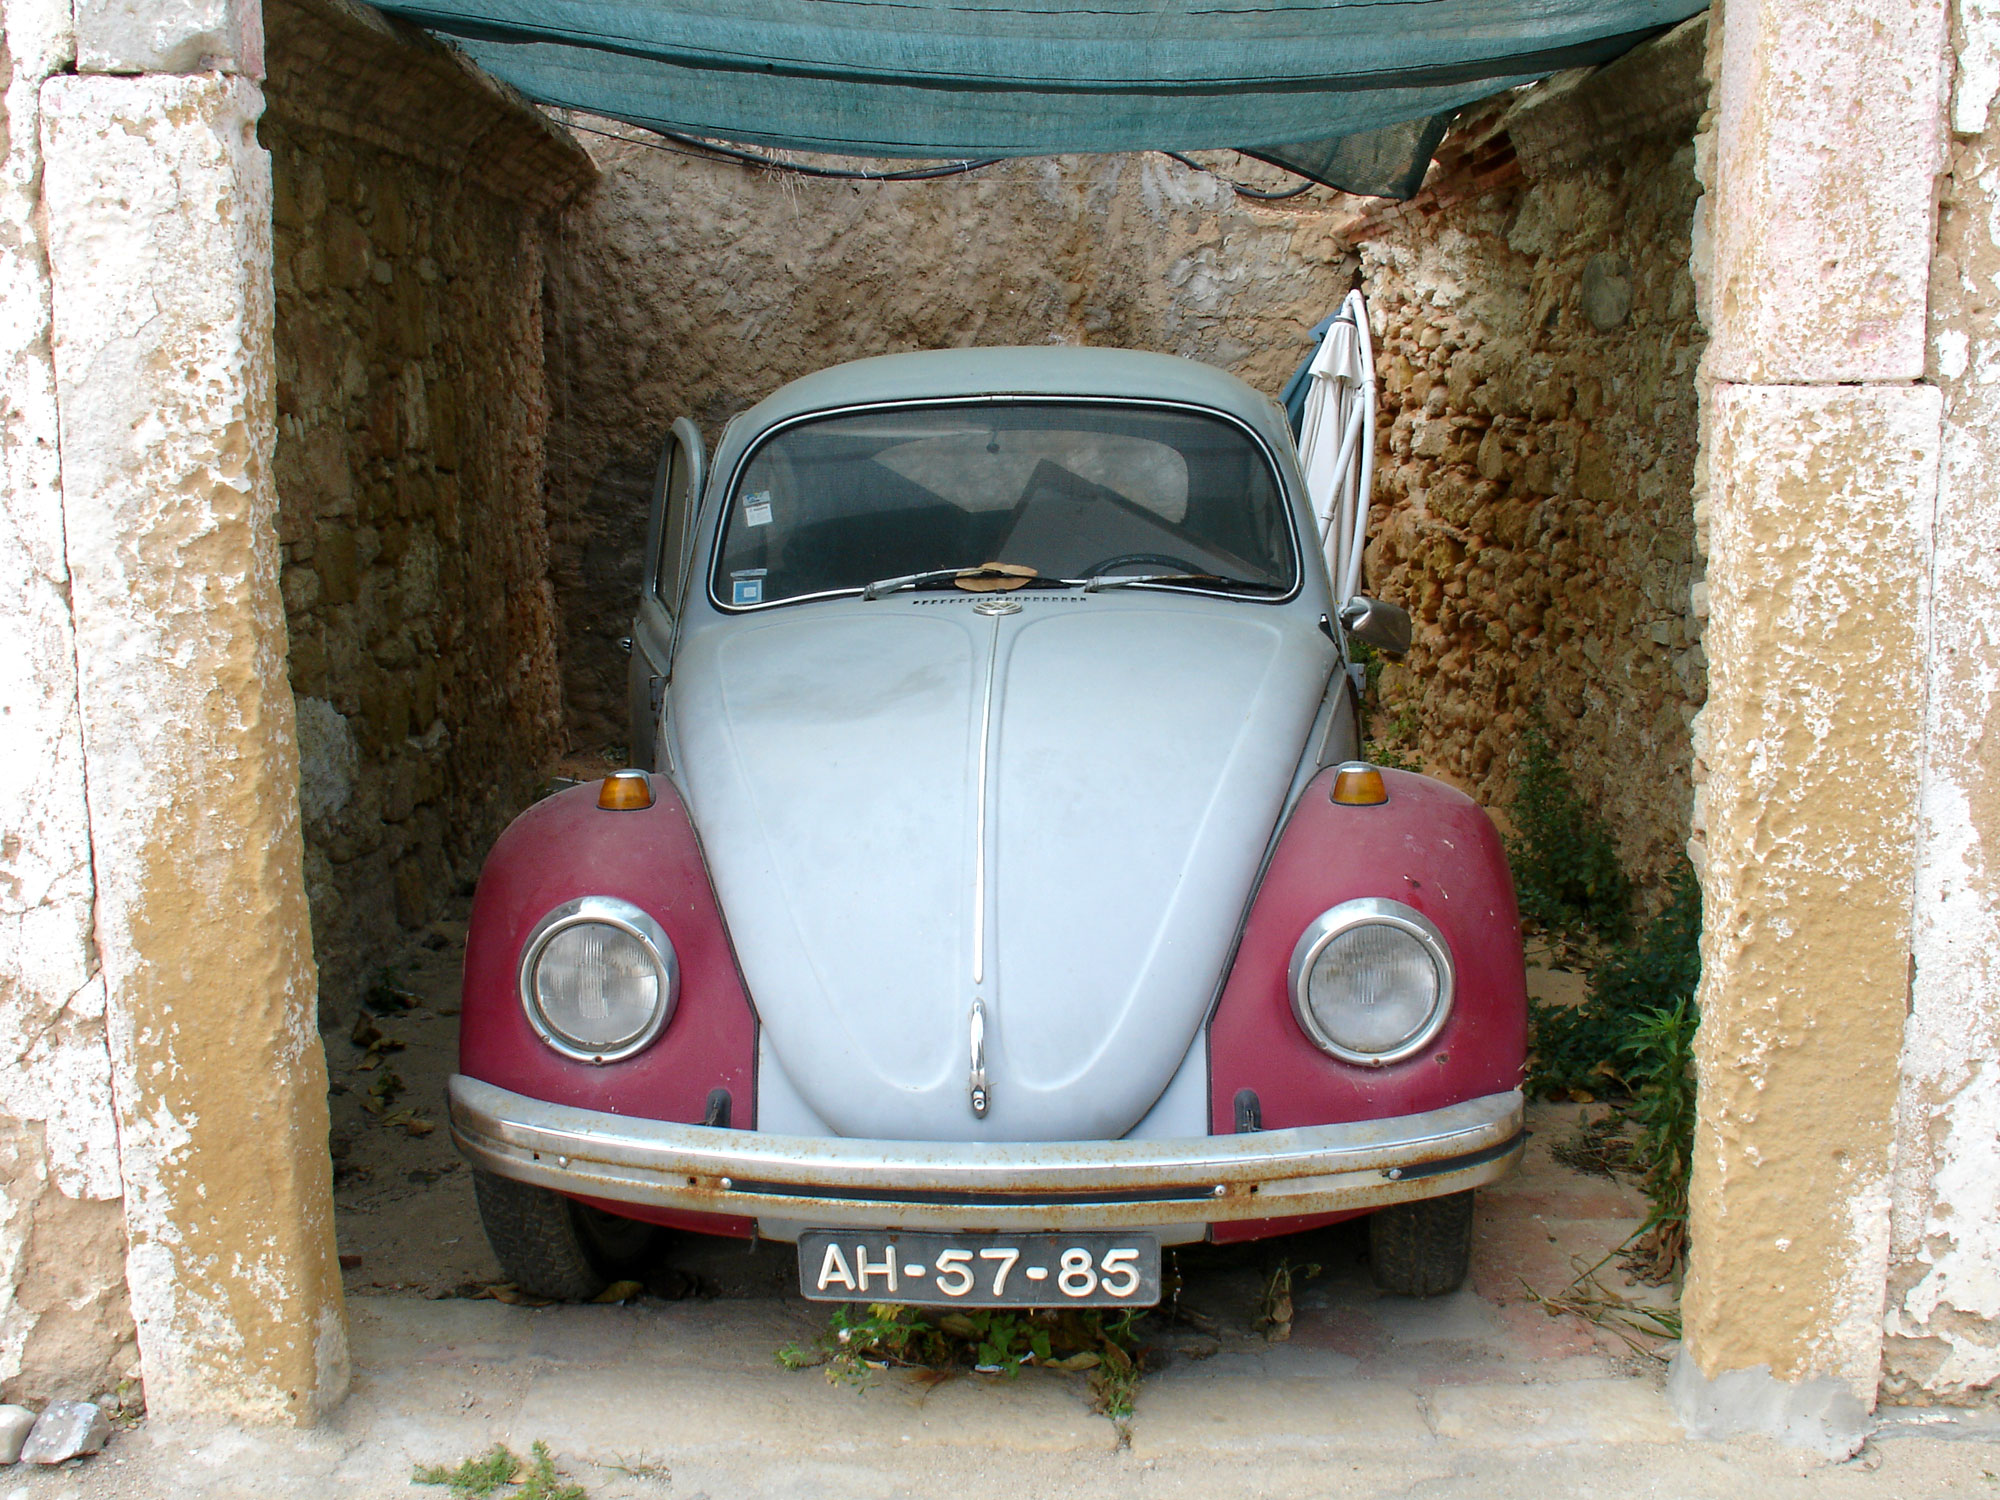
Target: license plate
<point>979,1270</point>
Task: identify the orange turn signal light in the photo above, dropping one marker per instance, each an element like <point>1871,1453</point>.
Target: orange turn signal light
<point>1358,784</point>
<point>625,791</point>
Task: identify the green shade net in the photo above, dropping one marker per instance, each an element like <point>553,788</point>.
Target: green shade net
<point>1353,93</point>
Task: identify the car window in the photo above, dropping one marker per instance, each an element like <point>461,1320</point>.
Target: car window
<point>1070,489</point>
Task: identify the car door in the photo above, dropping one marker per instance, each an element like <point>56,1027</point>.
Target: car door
<point>677,485</point>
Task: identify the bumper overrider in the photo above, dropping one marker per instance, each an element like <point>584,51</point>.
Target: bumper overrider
<point>1318,1169</point>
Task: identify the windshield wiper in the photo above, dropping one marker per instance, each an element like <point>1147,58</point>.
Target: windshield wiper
<point>1127,580</point>
<point>883,586</point>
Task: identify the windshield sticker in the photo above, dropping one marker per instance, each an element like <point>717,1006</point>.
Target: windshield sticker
<point>747,586</point>
<point>757,509</point>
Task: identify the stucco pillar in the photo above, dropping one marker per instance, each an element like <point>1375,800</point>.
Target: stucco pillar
<point>159,222</point>
<point>1822,454</point>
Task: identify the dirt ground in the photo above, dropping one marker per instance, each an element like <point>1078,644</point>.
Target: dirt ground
<point>1540,1377</point>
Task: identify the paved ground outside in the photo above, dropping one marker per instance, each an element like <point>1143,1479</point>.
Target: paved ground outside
<point>1536,1379</point>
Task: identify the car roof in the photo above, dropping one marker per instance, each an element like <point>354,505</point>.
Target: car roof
<point>1042,370</point>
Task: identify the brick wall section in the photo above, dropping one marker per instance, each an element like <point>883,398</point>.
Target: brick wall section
<point>1537,344</point>
<point>409,197</point>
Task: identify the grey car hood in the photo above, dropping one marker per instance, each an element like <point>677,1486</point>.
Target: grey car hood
<point>908,805</point>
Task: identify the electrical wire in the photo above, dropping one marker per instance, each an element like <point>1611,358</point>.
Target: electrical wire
<point>710,150</point>
<point>694,146</point>
<point>1244,190</point>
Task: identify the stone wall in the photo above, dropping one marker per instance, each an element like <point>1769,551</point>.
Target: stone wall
<point>685,286</point>
<point>1537,345</point>
<point>410,194</point>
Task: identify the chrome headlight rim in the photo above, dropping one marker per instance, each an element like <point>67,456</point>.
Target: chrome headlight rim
<point>635,923</point>
<point>1382,912</point>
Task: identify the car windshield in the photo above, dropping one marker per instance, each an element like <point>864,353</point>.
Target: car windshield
<point>1073,490</point>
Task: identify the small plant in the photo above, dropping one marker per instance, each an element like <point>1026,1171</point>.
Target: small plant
<point>1582,1050</point>
<point>861,1340</point>
<point>1660,1071</point>
<point>1634,1036</point>
<point>1566,872</point>
<point>498,1469</point>
<point>1114,1380</point>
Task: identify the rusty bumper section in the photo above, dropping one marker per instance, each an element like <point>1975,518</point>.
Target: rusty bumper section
<point>962,1185</point>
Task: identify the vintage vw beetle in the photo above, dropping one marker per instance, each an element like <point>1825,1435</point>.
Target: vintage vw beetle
<point>1000,900</point>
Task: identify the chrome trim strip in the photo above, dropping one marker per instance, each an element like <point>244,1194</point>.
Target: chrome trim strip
<point>1268,1174</point>
<point>979,824</point>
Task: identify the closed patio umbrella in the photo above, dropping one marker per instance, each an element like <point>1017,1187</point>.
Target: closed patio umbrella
<point>1337,443</point>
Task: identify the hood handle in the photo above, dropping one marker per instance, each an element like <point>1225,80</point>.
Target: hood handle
<point>976,1081</point>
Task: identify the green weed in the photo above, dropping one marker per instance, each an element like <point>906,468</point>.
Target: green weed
<point>1566,872</point>
<point>1659,1069</point>
<point>1633,1039</point>
<point>498,1469</point>
<point>1584,1048</point>
<point>860,1340</point>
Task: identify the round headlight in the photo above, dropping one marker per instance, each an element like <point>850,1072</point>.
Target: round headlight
<point>599,979</point>
<point>1371,981</point>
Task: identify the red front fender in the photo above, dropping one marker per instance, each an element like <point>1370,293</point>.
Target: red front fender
<point>565,847</point>
<point>1433,849</point>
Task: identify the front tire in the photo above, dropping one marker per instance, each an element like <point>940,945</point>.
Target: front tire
<point>551,1246</point>
<point>1421,1249</point>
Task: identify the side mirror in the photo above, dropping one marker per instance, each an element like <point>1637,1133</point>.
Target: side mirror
<point>1384,626</point>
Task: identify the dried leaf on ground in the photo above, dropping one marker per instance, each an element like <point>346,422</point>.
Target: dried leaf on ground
<point>1084,1361</point>
<point>382,1093</point>
<point>409,1122</point>
<point>1274,1307</point>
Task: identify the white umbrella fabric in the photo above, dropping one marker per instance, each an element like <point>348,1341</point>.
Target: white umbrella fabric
<point>1337,443</point>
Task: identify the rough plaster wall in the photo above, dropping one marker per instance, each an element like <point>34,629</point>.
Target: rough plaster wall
<point>409,470</point>
<point>1822,498</point>
<point>1944,1287</point>
<point>1537,345</point>
<point>65,1326</point>
<point>158,204</point>
<point>687,287</point>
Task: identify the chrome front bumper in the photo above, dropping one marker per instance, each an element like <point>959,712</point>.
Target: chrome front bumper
<point>960,1185</point>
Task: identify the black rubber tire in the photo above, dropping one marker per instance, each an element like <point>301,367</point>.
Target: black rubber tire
<point>549,1246</point>
<point>1421,1249</point>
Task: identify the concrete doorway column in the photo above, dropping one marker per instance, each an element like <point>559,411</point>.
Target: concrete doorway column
<point>159,232</point>
<point>1822,449</point>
